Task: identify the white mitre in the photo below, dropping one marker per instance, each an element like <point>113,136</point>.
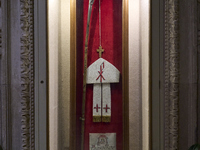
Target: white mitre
<point>110,73</point>
<point>101,73</point>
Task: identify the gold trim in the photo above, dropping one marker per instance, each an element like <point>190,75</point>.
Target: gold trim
<point>106,119</point>
<point>96,118</point>
<point>72,75</point>
<point>125,77</point>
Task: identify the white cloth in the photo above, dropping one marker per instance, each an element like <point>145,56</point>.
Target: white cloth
<point>101,73</point>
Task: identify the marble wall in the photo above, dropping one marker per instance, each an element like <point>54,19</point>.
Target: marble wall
<point>59,66</point>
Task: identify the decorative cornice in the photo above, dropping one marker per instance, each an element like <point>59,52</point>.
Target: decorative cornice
<point>171,74</point>
<point>27,74</point>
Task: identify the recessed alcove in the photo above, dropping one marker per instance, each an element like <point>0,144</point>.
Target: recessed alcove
<point>59,20</point>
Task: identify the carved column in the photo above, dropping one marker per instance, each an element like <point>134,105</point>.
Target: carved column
<point>171,74</point>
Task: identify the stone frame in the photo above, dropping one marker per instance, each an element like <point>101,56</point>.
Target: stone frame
<point>23,77</point>
<point>180,88</point>
<point>27,74</point>
<point>165,74</point>
<point>171,74</point>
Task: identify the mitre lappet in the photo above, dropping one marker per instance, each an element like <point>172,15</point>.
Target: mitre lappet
<point>101,73</point>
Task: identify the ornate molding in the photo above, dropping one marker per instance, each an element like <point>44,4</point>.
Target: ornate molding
<point>171,74</point>
<point>27,74</point>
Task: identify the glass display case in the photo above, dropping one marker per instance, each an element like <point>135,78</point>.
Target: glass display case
<point>99,75</point>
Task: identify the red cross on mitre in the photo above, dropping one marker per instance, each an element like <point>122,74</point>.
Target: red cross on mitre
<point>97,108</point>
<point>101,72</point>
<point>106,108</point>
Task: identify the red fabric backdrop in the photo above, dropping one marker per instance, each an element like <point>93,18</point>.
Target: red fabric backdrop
<point>111,18</point>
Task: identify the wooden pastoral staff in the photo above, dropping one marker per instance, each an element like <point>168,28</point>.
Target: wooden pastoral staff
<point>101,73</point>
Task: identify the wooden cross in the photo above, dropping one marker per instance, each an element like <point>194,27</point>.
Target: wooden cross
<point>106,108</point>
<point>100,51</point>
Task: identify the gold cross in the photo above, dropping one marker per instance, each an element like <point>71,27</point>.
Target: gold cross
<point>100,51</point>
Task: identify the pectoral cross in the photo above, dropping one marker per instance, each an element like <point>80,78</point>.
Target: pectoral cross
<point>100,51</point>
